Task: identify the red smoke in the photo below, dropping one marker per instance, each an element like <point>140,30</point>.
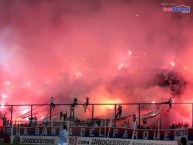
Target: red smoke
<point>108,50</point>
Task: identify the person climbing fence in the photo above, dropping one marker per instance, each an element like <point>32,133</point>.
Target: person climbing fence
<point>52,103</point>
<point>86,103</point>
<point>118,115</point>
<point>75,102</point>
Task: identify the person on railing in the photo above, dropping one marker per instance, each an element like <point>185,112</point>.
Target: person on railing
<point>118,115</point>
<point>170,102</point>
<point>86,103</point>
<point>75,102</point>
<point>52,103</point>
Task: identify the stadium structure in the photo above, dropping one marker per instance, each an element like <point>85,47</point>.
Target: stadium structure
<point>125,123</point>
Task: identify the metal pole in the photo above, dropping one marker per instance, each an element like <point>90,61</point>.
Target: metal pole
<point>192,115</point>
<point>115,114</point>
<point>92,114</point>
<point>50,113</point>
<point>70,113</point>
<point>160,112</point>
<point>73,115</point>
<point>31,111</point>
<point>139,108</point>
<point>11,114</point>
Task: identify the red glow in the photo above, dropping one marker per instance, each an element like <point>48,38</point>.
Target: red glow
<point>110,101</point>
<point>96,48</point>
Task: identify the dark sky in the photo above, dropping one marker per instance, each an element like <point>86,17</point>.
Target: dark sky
<point>105,49</point>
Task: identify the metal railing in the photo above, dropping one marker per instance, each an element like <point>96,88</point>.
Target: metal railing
<point>158,112</point>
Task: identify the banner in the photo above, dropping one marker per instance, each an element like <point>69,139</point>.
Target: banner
<point>112,141</point>
<point>97,132</point>
<point>49,140</point>
<point>113,132</point>
<point>181,132</point>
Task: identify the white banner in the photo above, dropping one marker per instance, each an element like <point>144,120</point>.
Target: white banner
<point>113,141</point>
<point>53,140</point>
<point>49,140</point>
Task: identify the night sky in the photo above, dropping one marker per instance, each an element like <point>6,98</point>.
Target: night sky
<point>108,50</point>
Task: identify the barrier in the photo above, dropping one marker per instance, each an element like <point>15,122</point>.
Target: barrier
<point>112,141</point>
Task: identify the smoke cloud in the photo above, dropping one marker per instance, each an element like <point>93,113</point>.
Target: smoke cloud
<point>108,50</point>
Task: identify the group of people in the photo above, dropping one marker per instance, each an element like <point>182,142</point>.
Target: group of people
<point>169,102</point>
<point>63,115</point>
<point>33,121</point>
<point>5,121</point>
<point>175,125</point>
<point>75,102</point>
<point>119,110</point>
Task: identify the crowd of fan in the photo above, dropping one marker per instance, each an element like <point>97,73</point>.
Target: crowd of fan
<point>175,125</point>
<point>6,122</point>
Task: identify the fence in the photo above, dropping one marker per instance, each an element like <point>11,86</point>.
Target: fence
<point>154,115</point>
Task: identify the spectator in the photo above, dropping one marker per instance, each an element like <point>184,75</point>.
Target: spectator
<point>45,121</point>
<point>74,104</point>
<point>86,103</point>
<point>124,124</point>
<point>183,141</point>
<point>134,121</point>
<point>30,121</point>
<point>186,124</point>
<point>170,102</point>
<point>119,111</point>
<point>4,120</point>
<point>34,121</point>
<point>144,123</point>
<point>64,116</point>
<point>62,139</point>
<point>52,103</point>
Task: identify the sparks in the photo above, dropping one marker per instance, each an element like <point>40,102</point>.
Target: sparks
<point>78,74</point>
<point>2,105</point>
<point>172,63</point>
<point>7,83</point>
<point>129,52</point>
<point>121,66</point>
<point>3,95</point>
